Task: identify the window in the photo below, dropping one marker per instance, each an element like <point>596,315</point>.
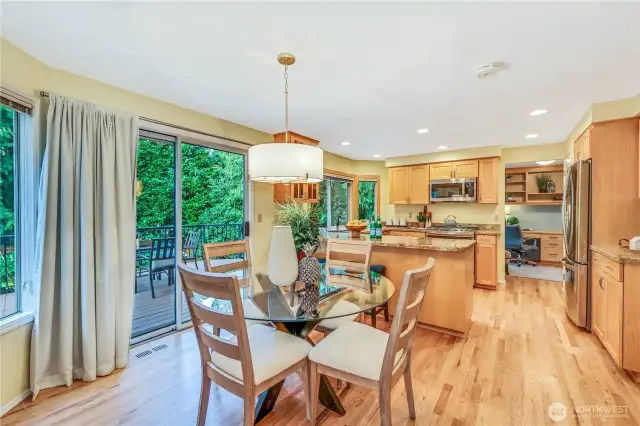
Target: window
<point>15,120</point>
<point>368,196</point>
<point>335,201</point>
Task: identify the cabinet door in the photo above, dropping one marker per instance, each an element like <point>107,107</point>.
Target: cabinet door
<point>488,181</point>
<point>441,171</point>
<point>312,192</point>
<point>398,185</point>
<point>486,268</point>
<point>577,150</point>
<point>599,323</point>
<point>281,192</point>
<point>419,184</point>
<point>465,169</point>
<point>613,333</point>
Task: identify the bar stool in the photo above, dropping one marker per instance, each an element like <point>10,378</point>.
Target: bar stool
<point>380,269</point>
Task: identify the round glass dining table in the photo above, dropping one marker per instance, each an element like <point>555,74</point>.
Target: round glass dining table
<point>342,293</point>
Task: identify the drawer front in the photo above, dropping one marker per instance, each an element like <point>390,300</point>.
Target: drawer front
<point>551,238</point>
<point>551,254</point>
<point>558,245</point>
<point>614,269</point>
<point>531,235</point>
<point>486,239</point>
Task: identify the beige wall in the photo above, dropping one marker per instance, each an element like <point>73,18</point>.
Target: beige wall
<point>14,363</point>
<point>23,73</point>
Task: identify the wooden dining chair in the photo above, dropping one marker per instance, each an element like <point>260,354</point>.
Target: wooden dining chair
<point>369,357</point>
<point>353,256</point>
<point>230,248</point>
<point>253,359</point>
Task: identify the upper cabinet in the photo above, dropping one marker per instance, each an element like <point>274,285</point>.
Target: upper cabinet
<point>295,191</point>
<point>488,181</point>
<point>582,146</point>
<point>457,169</point>
<point>409,185</point>
<point>398,188</point>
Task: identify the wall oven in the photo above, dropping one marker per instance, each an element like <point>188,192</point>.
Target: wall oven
<point>459,190</point>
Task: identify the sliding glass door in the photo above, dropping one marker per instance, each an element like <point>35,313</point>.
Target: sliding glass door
<point>213,200</point>
<point>187,194</point>
<point>155,289</point>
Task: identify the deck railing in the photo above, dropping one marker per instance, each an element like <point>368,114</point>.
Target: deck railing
<point>7,264</point>
<point>209,232</point>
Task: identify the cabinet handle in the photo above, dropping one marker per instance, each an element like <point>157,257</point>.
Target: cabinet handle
<point>600,283</point>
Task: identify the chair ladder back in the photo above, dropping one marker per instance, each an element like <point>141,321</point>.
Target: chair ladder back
<point>192,241</point>
<point>225,288</point>
<point>351,255</point>
<point>230,248</point>
<point>414,287</point>
<point>163,248</point>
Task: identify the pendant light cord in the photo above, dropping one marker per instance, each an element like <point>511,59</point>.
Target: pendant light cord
<point>286,102</point>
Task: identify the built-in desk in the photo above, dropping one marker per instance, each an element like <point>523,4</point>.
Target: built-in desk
<point>551,246</point>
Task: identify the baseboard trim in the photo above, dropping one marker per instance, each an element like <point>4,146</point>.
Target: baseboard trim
<point>503,282</point>
<point>14,402</point>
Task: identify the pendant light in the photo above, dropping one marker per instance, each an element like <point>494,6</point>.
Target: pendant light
<point>286,162</point>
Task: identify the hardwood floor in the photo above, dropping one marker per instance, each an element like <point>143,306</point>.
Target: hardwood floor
<point>521,355</point>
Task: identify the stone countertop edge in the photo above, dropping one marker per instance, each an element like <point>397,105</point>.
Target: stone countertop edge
<point>618,254</point>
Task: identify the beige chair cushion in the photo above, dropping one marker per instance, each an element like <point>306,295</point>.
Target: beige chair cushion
<point>353,348</point>
<point>272,352</point>
<point>341,307</point>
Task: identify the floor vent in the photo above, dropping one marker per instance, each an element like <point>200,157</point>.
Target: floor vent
<point>159,348</point>
<point>143,354</point>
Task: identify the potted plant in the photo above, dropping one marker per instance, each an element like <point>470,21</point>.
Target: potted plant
<point>512,220</point>
<point>510,197</point>
<point>542,180</point>
<point>422,219</point>
<point>304,219</point>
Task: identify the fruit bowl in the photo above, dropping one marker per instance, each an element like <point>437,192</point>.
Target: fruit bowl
<point>356,228</point>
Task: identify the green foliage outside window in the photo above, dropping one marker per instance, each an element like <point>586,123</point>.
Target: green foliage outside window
<point>7,187</point>
<point>338,205</point>
<point>366,200</point>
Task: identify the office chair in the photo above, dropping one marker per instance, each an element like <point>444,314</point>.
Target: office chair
<point>514,243</point>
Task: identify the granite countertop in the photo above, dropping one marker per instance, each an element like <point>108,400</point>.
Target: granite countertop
<point>485,229</point>
<point>438,244</point>
<point>618,254</point>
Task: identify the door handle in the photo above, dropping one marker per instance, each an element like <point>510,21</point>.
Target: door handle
<point>600,283</point>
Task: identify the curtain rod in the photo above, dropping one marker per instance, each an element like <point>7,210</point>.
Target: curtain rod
<point>44,94</point>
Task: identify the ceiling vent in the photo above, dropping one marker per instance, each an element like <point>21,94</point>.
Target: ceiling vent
<point>489,69</point>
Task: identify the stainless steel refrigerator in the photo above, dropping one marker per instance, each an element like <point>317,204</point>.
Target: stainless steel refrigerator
<point>576,223</point>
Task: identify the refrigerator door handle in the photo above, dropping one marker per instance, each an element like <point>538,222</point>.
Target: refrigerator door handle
<point>567,223</point>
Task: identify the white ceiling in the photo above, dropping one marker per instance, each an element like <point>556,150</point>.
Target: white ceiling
<point>371,74</point>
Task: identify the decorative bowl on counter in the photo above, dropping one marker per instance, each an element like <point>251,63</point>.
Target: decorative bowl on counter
<point>356,227</point>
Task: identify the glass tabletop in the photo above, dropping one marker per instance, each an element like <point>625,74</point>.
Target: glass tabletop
<point>340,293</point>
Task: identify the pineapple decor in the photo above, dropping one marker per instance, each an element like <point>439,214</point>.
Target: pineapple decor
<point>309,274</point>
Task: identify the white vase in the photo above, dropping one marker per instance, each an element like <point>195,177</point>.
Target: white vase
<point>283,261</point>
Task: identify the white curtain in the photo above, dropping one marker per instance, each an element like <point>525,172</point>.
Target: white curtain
<point>85,253</point>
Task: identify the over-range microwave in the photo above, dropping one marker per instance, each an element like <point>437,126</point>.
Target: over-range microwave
<point>458,190</point>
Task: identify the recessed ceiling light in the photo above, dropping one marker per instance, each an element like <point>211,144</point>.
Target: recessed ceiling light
<point>442,147</point>
<point>345,143</point>
<point>421,131</point>
<point>533,136</point>
<point>546,162</point>
<point>538,112</point>
<point>376,155</point>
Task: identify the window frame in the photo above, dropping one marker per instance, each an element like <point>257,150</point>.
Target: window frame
<point>352,195</point>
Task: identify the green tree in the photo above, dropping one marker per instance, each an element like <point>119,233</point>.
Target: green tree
<point>366,200</point>
<point>7,193</point>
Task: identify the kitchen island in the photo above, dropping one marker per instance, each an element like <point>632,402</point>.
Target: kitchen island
<point>448,303</point>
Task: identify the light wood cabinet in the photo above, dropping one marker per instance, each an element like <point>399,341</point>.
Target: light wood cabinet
<point>608,314</point>
<point>582,146</point>
<point>308,192</point>
<point>419,184</point>
<point>486,261</point>
<point>409,185</point>
<point>398,185</point>
<point>465,169</point>
<point>488,181</point>
<point>441,171</point>
<point>456,169</point>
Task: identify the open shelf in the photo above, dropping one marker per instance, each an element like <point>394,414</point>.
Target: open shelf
<point>524,190</point>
